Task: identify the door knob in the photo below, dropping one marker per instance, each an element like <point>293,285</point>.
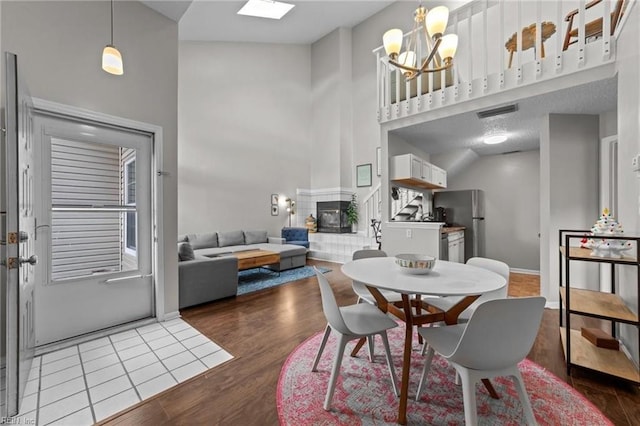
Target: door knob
<point>32,260</point>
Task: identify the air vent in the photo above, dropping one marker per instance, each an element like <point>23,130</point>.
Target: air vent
<point>498,111</point>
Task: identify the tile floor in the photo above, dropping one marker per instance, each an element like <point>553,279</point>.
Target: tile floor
<point>89,382</point>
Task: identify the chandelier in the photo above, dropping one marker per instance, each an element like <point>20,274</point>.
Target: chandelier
<point>426,40</point>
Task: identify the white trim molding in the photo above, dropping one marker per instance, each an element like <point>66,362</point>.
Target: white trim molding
<point>525,271</point>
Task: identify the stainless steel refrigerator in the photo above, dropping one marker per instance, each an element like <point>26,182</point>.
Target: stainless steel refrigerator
<point>465,208</point>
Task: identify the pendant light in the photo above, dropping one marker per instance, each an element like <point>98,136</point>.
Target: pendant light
<point>111,57</point>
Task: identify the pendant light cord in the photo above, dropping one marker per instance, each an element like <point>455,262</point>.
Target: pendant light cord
<point>111,22</point>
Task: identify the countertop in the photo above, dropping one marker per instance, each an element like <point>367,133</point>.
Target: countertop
<point>450,229</point>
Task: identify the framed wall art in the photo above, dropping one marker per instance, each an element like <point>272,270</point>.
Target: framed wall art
<point>363,175</point>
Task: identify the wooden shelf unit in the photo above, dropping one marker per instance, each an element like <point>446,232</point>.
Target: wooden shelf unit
<point>596,304</point>
<point>608,361</point>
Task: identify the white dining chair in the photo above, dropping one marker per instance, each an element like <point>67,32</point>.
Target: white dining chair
<point>350,323</point>
<point>500,268</point>
<point>363,293</point>
<point>499,334</point>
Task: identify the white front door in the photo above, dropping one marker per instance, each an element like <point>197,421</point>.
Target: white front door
<point>18,238</point>
<point>95,225</point>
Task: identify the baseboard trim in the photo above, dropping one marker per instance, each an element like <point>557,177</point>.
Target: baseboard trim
<point>171,315</point>
<point>525,271</point>
<point>552,305</point>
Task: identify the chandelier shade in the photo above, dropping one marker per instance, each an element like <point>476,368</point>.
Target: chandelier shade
<point>426,43</point>
<point>437,19</point>
<point>392,40</point>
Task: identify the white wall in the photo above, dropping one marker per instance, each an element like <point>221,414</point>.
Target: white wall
<point>569,147</point>
<point>331,111</point>
<point>244,114</point>
<point>511,184</point>
<point>629,146</point>
<point>59,47</point>
<point>608,124</point>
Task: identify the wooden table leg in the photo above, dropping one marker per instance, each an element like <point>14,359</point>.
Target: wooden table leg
<point>492,391</point>
<point>406,360</point>
<point>358,346</point>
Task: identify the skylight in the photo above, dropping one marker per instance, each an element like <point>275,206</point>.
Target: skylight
<point>265,9</point>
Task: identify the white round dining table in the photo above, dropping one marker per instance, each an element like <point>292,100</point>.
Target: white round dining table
<point>445,279</point>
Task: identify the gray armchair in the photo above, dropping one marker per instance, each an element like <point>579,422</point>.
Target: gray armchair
<point>205,279</point>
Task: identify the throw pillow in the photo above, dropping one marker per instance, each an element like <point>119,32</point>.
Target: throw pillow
<point>185,252</point>
<point>255,237</point>
<point>200,241</point>
<point>232,238</point>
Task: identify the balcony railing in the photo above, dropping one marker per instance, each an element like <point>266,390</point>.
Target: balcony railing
<point>504,44</point>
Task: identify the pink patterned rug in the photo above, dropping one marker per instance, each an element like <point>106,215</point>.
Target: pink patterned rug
<point>363,394</point>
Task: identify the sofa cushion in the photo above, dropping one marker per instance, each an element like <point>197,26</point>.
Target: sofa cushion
<point>255,237</point>
<point>231,238</point>
<point>185,252</point>
<point>200,241</point>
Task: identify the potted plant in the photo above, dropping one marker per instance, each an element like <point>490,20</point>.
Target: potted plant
<point>352,213</point>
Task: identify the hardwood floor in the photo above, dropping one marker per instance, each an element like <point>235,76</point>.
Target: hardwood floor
<point>261,329</point>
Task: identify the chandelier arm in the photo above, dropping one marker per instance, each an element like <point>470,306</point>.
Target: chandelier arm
<point>432,54</point>
<point>404,67</point>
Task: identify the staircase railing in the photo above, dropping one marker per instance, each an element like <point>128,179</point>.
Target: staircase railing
<point>371,209</point>
<point>503,44</point>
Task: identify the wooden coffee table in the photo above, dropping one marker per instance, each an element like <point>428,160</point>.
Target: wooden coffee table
<point>256,258</point>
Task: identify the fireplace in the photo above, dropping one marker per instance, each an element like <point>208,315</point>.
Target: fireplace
<point>332,217</point>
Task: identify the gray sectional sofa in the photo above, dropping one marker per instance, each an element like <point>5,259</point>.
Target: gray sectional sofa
<point>207,272</point>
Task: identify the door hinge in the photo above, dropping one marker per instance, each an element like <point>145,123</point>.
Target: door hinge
<point>11,264</point>
<point>16,237</point>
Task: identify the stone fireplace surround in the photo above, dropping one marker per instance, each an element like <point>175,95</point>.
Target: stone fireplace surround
<point>324,246</point>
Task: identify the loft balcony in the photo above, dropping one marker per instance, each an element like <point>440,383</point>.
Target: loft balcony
<point>505,45</point>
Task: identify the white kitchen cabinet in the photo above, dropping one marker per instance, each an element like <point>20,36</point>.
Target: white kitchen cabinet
<point>456,246</point>
<point>438,176</point>
<point>411,170</point>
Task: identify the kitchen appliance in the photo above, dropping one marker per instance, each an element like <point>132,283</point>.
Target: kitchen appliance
<point>464,208</point>
<point>440,214</point>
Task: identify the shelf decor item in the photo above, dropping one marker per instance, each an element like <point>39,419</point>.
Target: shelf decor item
<point>606,247</point>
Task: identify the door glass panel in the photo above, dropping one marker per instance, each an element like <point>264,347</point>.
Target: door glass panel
<point>93,209</point>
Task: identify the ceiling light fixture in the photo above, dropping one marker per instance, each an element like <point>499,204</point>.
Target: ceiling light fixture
<point>265,9</point>
<point>111,57</point>
<point>426,40</point>
<point>495,139</point>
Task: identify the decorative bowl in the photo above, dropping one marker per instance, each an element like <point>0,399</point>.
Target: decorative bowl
<point>415,263</point>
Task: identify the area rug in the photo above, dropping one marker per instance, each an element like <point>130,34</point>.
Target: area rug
<point>363,394</point>
<point>257,279</point>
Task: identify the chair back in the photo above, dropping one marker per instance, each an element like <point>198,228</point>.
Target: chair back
<point>499,268</point>
<point>295,234</point>
<point>360,288</point>
<point>365,253</point>
<point>330,306</point>
<point>500,333</point>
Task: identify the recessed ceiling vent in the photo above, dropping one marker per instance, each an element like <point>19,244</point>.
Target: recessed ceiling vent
<point>498,111</point>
